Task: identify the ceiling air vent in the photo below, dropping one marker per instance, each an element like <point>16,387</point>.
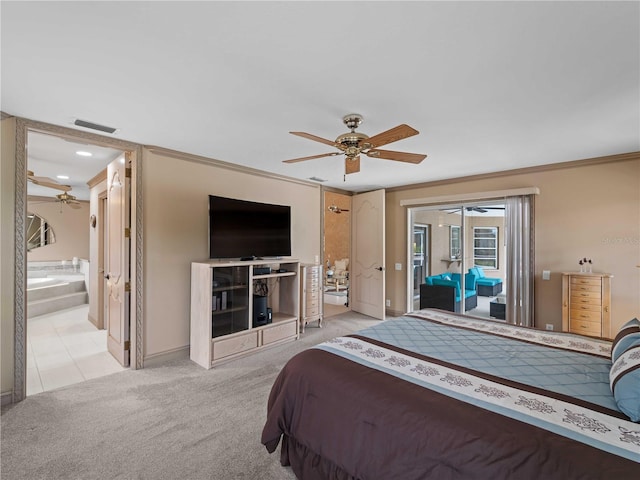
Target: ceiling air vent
<point>94,126</point>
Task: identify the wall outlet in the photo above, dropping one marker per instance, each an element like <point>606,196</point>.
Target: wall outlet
<point>546,275</point>
<point>387,302</point>
<point>549,326</point>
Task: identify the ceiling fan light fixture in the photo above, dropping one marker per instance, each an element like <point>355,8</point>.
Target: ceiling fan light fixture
<point>352,120</point>
<point>353,144</point>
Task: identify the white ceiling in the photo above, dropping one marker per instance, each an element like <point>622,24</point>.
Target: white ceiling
<point>489,85</point>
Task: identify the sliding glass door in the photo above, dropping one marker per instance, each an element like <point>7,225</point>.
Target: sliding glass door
<point>420,252</point>
<point>467,250</point>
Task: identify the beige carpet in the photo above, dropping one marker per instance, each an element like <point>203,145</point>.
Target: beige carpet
<point>177,421</point>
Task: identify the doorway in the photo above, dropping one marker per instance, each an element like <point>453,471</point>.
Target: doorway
<point>66,342</point>
<point>466,241</point>
<point>336,253</point>
<point>23,129</point>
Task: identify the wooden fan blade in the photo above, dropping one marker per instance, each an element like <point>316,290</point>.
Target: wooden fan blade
<point>314,138</point>
<point>398,156</point>
<point>48,182</point>
<point>397,133</point>
<point>352,165</point>
<point>301,159</point>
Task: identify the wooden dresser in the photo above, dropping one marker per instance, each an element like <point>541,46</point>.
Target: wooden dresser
<point>311,307</point>
<point>586,303</point>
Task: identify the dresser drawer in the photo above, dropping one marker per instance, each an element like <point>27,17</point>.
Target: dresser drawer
<point>585,315</point>
<point>577,280</point>
<point>312,296</point>
<point>584,327</point>
<point>279,332</point>
<point>312,311</point>
<point>229,346</point>
<point>585,307</point>
<point>585,299</point>
<point>313,273</point>
<point>593,289</point>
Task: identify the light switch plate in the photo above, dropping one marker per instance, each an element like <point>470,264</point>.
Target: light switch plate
<point>398,266</point>
<point>546,274</point>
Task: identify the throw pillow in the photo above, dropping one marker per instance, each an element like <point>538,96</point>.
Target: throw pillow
<point>628,333</point>
<point>624,379</point>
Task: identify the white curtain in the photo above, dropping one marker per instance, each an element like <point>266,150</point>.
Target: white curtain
<point>520,259</point>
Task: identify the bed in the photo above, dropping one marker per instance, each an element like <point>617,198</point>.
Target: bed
<point>439,395</point>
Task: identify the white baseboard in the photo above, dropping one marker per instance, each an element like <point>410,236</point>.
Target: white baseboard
<point>6,398</point>
<point>158,359</point>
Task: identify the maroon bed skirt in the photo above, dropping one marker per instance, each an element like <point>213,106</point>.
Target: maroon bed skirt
<point>307,464</point>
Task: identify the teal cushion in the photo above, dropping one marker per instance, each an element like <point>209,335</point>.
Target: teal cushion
<point>628,334</point>
<point>624,379</point>
<point>478,271</point>
<point>428,280</point>
<point>448,283</point>
<point>470,281</point>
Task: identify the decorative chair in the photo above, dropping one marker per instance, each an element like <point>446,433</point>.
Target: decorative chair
<point>443,292</point>
<point>487,286</point>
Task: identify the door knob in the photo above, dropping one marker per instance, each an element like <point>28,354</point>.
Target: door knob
<point>379,268</point>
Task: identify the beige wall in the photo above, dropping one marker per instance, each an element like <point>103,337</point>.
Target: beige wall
<point>590,210</point>
<point>70,227</point>
<point>176,220</point>
<point>337,228</point>
<point>7,252</point>
<point>96,245</point>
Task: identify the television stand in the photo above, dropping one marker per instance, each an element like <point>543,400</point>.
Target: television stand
<point>224,308</point>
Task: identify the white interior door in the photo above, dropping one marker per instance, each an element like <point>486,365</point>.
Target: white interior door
<point>117,260</point>
<point>367,280</point>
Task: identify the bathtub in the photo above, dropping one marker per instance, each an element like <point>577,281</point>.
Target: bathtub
<point>43,282</point>
<point>50,274</point>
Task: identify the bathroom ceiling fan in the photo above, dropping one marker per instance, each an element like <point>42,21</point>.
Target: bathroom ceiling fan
<point>353,144</point>
<point>67,199</point>
<point>46,182</point>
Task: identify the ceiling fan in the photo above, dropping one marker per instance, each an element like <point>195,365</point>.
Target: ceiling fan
<point>336,209</point>
<point>483,209</point>
<point>46,182</point>
<point>68,199</point>
<point>354,143</point>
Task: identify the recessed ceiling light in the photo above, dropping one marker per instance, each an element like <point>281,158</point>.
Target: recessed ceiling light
<point>82,153</point>
<point>63,177</point>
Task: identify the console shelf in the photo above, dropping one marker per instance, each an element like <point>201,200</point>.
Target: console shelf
<point>225,320</point>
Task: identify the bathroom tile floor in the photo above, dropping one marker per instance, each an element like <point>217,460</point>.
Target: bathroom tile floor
<point>65,348</point>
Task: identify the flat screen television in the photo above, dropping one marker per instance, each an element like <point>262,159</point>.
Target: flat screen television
<point>248,230</point>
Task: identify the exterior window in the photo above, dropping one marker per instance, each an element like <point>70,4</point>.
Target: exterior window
<point>485,247</point>
<point>454,241</point>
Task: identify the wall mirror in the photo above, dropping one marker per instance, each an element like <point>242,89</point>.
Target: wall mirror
<point>39,232</point>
